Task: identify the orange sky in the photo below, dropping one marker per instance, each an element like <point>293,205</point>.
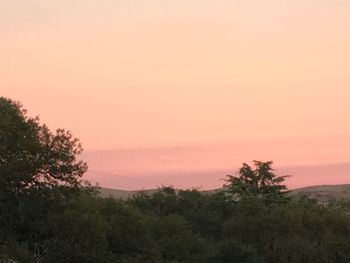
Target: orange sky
<point>133,74</point>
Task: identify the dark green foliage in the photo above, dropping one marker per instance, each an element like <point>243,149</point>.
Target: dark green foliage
<point>83,227</point>
<point>48,216</point>
<point>260,182</point>
<point>32,157</point>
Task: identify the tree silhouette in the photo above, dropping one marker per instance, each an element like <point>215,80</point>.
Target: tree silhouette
<point>31,156</point>
<point>259,181</point>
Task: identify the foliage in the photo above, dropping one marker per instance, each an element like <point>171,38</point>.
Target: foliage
<point>48,215</point>
<point>31,156</point>
<point>258,182</point>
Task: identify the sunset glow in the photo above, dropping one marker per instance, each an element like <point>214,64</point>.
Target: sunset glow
<point>195,75</point>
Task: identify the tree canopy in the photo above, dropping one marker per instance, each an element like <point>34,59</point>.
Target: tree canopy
<point>259,181</point>
<point>31,156</point>
<point>47,215</point>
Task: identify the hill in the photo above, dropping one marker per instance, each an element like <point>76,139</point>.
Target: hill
<point>320,192</point>
<point>325,192</point>
<point>123,194</point>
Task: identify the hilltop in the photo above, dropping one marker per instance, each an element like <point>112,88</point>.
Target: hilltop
<point>325,192</point>
<point>319,192</point>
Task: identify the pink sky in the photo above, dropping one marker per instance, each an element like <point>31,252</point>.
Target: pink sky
<point>309,161</point>
<point>136,74</point>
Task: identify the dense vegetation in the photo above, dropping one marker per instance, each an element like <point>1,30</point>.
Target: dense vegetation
<point>48,214</point>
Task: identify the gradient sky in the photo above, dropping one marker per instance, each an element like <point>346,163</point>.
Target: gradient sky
<point>131,74</point>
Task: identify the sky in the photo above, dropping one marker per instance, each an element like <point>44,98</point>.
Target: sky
<point>148,74</point>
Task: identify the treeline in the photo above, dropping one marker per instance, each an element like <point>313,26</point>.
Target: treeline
<point>49,214</point>
<point>173,226</point>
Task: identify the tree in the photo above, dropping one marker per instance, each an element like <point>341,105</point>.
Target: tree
<point>38,170</point>
<point>260,182</point>
<point>32,157</point>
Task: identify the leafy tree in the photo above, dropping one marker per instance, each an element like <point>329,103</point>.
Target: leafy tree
<point>31,156</point>
<point>129,234</point>
<point>177,242</point>
<point>37,168</point>
<point>76,232</point>
<point>259,181</point>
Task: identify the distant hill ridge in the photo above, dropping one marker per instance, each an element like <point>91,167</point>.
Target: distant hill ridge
<point>325,192</point>
<point>319,192</point>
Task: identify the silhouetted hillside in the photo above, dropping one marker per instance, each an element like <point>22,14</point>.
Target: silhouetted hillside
<point>319,192</point>
<point>325,192</point>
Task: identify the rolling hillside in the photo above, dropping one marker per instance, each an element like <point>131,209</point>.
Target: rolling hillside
<point>123,194</point>
<point>319,192</point>
<point>325,192</point>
